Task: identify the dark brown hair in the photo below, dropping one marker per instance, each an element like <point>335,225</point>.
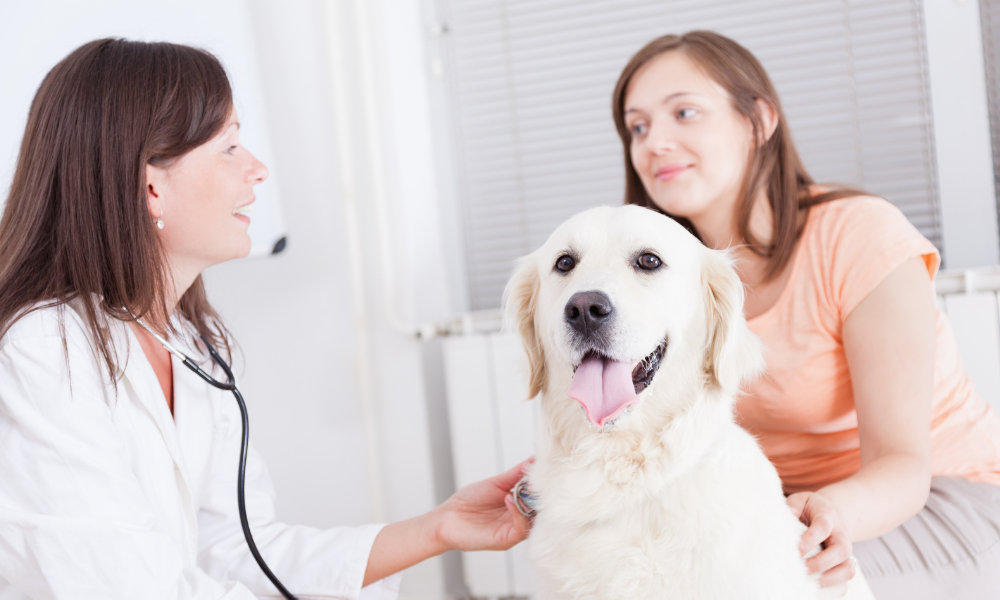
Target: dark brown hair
<point>76,224</point>
<point>775,165</point>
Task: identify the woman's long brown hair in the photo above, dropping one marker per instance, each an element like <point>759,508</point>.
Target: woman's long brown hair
<point>76,224</point>
<point>774,166</point>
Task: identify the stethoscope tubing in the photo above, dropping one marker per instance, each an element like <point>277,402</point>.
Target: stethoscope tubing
<point>230,386</point>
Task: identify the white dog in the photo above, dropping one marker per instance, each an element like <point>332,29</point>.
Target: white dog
<point>647,488</point>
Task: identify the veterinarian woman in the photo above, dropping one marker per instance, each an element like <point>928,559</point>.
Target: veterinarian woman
<point>118,465</point>
<point>887,451</point>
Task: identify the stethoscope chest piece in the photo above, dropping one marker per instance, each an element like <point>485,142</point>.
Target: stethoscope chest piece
<point>525,501</point>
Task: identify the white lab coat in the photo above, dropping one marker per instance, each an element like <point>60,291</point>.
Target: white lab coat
<point>106,496</point>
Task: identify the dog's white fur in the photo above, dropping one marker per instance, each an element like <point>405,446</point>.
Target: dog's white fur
<point>673,499</point>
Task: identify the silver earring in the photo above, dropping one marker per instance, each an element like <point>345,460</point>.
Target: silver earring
<point>159,223</point>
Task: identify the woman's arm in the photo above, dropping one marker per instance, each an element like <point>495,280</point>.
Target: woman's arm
<point>480,516</point>
<point>889,343</point>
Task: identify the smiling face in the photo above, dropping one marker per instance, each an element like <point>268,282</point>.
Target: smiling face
<point>619,299</point>
<point>610,273</point>
<point>617,291</point>
<point>203,197</point>
<point>689,146</point>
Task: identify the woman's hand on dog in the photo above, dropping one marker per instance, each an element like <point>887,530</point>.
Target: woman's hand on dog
<point>827,531</point>
<point>482,515</point>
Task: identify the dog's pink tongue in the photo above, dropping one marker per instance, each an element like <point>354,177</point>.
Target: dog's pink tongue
<point>604,388</point>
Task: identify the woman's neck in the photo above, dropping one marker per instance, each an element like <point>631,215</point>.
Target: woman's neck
<point>719,229</point>
<point>180,277</point>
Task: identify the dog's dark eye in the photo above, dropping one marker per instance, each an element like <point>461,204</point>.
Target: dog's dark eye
<point>565,263</point>
<point>648,262</point>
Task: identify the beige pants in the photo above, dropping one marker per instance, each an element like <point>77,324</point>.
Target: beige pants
<point>950,550</point>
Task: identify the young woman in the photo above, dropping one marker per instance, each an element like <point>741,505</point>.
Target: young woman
<point>875,429</point>
<point>118,465</point>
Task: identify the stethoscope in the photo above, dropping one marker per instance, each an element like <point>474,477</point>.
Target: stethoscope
<point>230,385</point>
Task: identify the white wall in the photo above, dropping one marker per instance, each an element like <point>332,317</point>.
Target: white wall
<point>290,313</point>
<point>293,314</point>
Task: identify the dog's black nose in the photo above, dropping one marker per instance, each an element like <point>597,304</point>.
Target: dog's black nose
<point>587,312</point>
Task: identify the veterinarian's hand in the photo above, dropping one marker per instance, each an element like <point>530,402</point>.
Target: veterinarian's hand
<point>482,515</point>
<point>826,530</point>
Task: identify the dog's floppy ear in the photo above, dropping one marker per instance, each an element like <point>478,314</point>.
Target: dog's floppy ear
<point>733,352</point>
<point>519,315</point>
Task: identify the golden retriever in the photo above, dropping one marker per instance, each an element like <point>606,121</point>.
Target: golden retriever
<point>646,486</point>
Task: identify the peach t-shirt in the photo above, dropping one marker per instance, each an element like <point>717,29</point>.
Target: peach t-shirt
<point>802,408</point>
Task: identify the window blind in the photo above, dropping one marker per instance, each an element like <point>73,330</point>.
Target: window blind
<point>531,80</point>
<point>989,16</point>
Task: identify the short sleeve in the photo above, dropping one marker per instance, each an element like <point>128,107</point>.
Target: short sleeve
<point>866,239</point>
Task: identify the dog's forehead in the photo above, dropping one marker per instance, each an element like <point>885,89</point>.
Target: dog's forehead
<point>624,229</point>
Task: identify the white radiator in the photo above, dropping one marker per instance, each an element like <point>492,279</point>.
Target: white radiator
<point>970,300</point>
<point>492,429</point>
<point>493,425</point>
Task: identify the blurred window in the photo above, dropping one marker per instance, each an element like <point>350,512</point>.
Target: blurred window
<point>989,13</point>
<point>530,85</point>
